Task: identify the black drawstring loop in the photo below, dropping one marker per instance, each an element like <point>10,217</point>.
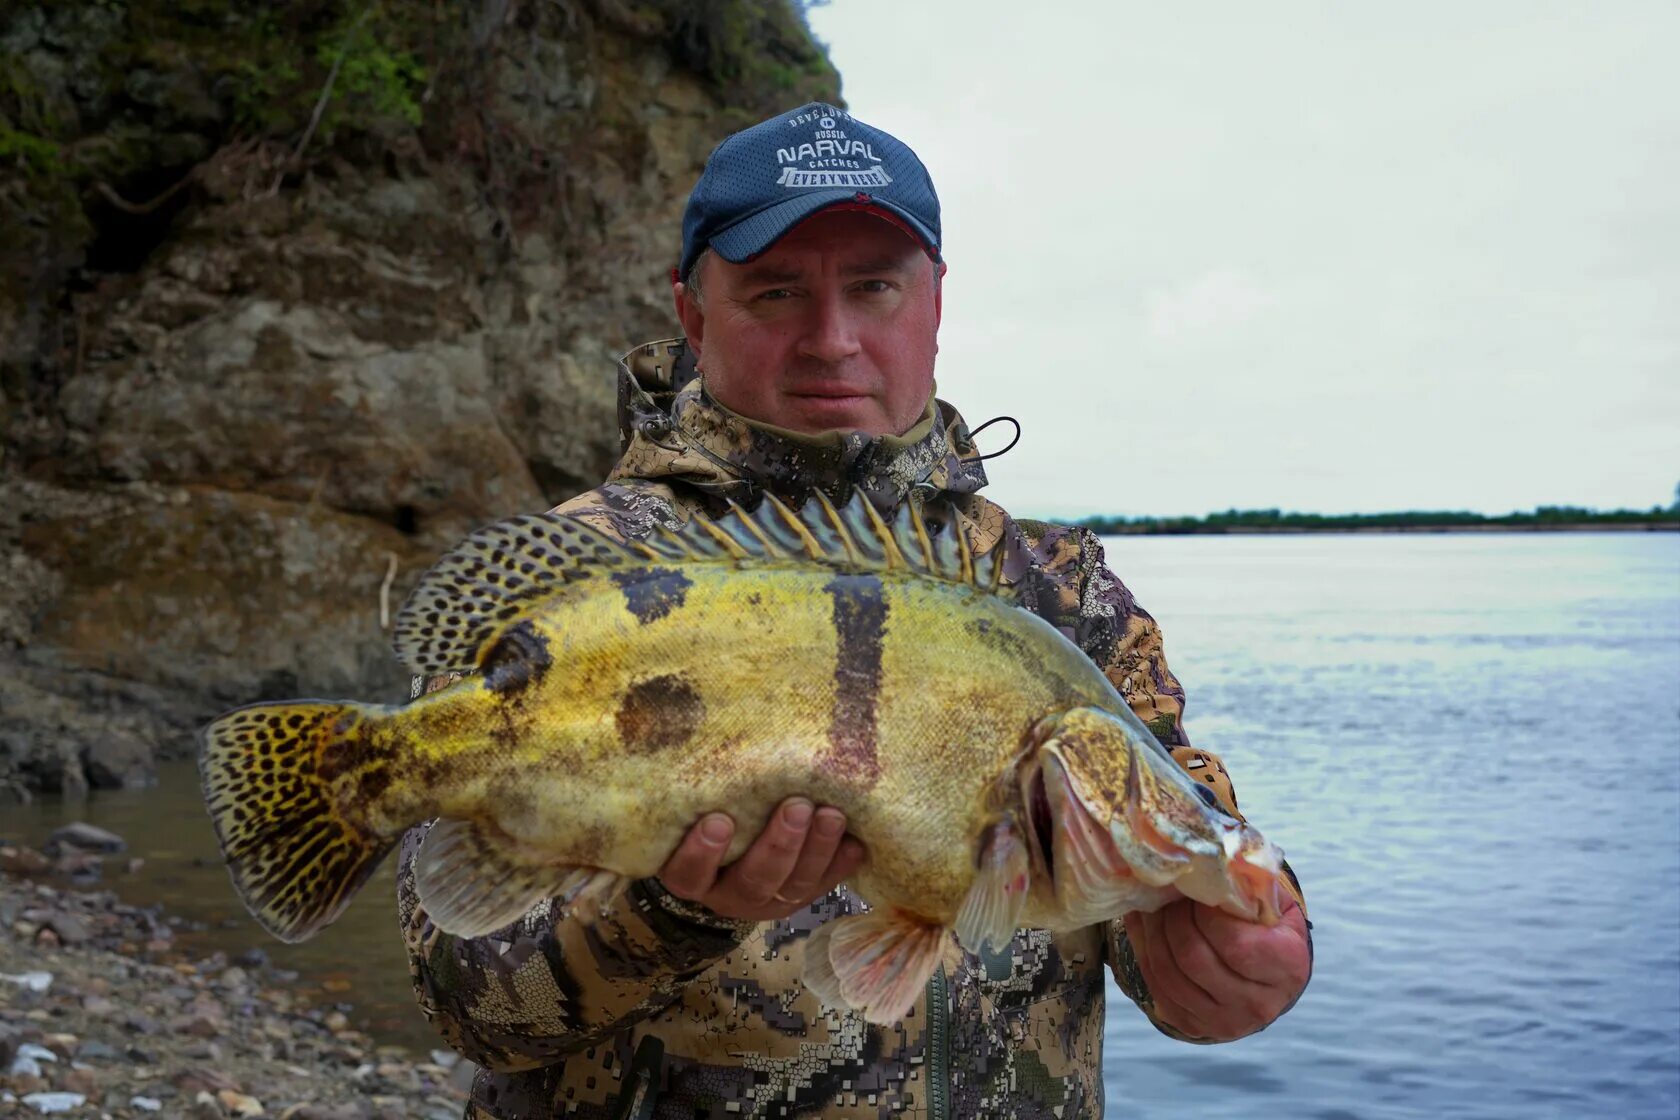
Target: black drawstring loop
<point>973,432</point>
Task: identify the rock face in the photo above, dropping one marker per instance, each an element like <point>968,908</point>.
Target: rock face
<point>292,296</point>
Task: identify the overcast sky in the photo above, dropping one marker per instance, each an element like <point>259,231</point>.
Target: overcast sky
<point>1323,256</point>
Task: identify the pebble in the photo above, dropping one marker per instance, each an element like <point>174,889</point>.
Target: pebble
<point>29,981</point>
<point>85,837</point>
<point>23,1066</point>
<point>23,861</point>
<point>197,1078</point>
<point>61,1044</point>
<point>94,1051</point>
<point>54,1102</point>
<point>141,1024</point>
<point>71,929</point>
<point>81,1081</point>
<point>239,1104</point>
<point>145,1104</point>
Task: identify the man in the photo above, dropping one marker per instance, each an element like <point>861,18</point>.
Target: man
<point>809,289</point>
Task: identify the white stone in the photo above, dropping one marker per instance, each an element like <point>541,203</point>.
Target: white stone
<point>34,981</point>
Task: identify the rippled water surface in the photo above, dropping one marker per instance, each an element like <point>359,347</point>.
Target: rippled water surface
<point>1469,746</point>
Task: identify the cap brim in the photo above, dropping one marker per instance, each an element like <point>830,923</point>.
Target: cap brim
<point>754,234</point>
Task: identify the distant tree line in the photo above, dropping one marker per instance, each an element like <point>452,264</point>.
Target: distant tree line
<point>1274,520</point>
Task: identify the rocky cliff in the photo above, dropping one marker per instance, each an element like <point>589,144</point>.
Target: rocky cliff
<point>293,295</point>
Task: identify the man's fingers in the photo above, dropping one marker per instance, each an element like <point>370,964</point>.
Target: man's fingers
<point>1259,955</point>
<point>692,869</point>
<point>821,847</point>
<point>758,875</point>
<point>1178,1001</point>
<point>846,860</point>
<point>1198,962</point>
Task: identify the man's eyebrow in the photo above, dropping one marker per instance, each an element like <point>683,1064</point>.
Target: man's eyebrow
<point>876,266</point>
<point>770,274</point>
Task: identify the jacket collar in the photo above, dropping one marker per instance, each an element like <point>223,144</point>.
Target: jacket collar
<point>670,429</point>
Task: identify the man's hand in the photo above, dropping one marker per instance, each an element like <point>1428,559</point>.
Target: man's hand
<point>1217,977</point>
<point>800,856</point>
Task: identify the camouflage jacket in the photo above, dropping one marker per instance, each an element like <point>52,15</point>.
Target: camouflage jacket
<point>663,1009</point>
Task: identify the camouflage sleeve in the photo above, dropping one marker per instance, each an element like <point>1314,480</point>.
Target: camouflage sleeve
<point>1065,582</point>
<point>549,985</point>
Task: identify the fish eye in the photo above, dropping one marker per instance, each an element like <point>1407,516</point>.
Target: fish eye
<point>1208,796</point>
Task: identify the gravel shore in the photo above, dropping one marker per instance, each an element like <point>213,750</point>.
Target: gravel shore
<point>101,1015</point>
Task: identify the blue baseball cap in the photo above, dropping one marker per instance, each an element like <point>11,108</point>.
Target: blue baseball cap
<point>762,181</point>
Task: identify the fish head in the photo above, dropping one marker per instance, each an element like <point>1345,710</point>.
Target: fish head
<point>1116,825</point>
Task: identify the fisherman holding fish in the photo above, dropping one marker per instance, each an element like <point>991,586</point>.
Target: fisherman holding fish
<point>884,778</point>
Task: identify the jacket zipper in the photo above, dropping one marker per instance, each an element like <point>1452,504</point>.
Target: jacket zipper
<point>939,1048</point>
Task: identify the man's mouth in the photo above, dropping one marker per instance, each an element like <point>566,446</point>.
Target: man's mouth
<point>830,393</point>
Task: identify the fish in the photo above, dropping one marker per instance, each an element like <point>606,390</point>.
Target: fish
<point>620,690</point>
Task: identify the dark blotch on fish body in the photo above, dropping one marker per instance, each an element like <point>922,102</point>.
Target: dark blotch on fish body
<point>659,713</point>
<point>374,782</point>
<point>860,624</point>
<point>652,593</point>
<point>354,752</point>
<point>519,660</point>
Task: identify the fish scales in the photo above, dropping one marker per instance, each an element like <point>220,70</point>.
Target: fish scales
<point>993,773</point>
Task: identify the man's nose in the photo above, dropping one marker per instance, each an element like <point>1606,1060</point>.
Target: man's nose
<point>831,334</point>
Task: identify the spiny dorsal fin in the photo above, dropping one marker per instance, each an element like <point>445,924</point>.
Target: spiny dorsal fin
<point>488,582</point>
<point>484,584</point>
<point>854,536</point>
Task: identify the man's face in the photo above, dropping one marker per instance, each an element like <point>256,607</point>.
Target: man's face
<point>834,327</point>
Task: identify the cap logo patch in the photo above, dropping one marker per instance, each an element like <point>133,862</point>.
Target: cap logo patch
<point>829,158</point>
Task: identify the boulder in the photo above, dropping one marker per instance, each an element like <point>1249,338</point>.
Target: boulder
<point>83,837</point>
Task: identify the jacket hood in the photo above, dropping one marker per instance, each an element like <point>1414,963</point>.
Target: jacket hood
<point>670,429</point>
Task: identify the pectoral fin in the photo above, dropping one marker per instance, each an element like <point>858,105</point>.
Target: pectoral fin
<point>992,911</point>
<point>471,880</point>
<point>876,963</point>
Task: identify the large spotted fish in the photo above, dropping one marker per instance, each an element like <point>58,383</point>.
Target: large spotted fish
<point>995,776</point>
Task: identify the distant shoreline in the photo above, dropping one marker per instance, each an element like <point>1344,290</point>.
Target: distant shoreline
<point>1149,530</point>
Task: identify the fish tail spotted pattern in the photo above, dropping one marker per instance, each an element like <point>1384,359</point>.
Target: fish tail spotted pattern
<point>296,855</point>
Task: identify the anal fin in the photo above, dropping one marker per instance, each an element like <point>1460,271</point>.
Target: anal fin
<point>992,911</point>
<point>875,963</point>
<point>471,880</point>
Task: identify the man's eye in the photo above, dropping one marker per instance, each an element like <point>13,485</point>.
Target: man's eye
<point>874,286</point>
<point>774,294</point>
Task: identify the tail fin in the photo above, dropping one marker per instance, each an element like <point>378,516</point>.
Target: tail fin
<point>296,856</point>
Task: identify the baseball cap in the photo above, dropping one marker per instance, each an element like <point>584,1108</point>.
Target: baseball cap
<point>764,180</point>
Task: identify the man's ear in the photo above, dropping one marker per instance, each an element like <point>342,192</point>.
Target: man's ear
<point>938,293</point>
<point>690,315</point>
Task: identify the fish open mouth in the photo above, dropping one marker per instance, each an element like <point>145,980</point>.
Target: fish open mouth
<point>1042,824</point>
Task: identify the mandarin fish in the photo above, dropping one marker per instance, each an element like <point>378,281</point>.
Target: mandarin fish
<point>622,690</point>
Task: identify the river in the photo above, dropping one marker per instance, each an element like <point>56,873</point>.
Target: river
<point>1469,747</point>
